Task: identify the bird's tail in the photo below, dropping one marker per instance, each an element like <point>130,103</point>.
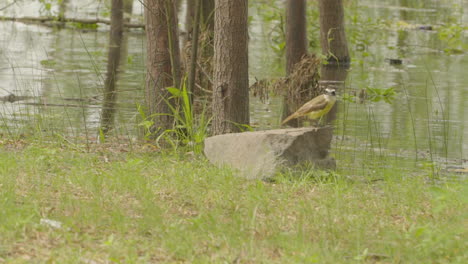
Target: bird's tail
<point>289,118</point>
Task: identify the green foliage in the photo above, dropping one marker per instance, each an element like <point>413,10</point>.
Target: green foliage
<point>48,63</point>
<point>102,135</point>
<point>361,41</point>
<point>378,94</point>
<point>371,94</point>
<point>189,130</point>
<point>452,36</point>
<point>242,127</point>
<point>313,29</point>
<point>146,123</point>
<point>130,59</point>
<point>274,17</point>
<point>47,6</point>
<point>84,25</point>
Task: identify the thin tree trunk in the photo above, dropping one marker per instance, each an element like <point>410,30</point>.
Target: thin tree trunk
<point>296,45</point>
<point>207,45</point>
<point>194,53</point>
<point>296,33</point>
<point>332,31</point>
<point>113,61</point>
<point>231,82</point>
<point>163,60</point>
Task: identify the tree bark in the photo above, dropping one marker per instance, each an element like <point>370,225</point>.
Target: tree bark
<point>231,82</point>
<point>296,45</point>
<point>332,31</point>
<point>113,61</point>
<point>296,33</point>
<point>163,60</point>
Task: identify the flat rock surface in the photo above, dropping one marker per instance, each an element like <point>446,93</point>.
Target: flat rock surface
<point>260,154</point>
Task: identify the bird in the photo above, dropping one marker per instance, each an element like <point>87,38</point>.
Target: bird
<point>315,108</point>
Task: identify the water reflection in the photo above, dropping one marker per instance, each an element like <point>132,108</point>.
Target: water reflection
<point>333,77</point>
<point>113,61</point>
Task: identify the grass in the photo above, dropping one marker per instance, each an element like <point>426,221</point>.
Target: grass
<point>142,206</point>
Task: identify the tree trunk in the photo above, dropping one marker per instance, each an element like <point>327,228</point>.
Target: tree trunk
<point>113,61</point>
<point>296,33</point>
<point>231,82</point>
<point>163,60</point>
<point>332,31</point>
<point>296,45</point>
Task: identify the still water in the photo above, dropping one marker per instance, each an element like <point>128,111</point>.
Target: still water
<point>59,75</point>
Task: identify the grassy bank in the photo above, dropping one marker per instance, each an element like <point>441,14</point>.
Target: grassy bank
<point>116,206</point>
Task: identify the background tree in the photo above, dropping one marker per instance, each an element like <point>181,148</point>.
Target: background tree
<point>113,61</point>
<point>163,59</point>
<point>332,31</point>
<point>334,46</point>
<point>231,82</point>
<point>296,33</point>
<point>296,46</point>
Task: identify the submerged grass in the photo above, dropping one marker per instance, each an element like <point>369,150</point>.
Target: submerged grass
<point>148,207</point>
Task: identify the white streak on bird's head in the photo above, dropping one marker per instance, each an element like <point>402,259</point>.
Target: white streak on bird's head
<point>330,91</point>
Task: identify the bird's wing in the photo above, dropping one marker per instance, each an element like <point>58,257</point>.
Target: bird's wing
<point>315,104</point>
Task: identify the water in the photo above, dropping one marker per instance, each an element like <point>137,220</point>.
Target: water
<point>59,73</point>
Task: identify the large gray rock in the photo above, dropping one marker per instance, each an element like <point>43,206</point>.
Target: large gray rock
<point>260,154</point>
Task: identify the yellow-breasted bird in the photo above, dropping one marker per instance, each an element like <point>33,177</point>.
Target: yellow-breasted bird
<point>315,108</point>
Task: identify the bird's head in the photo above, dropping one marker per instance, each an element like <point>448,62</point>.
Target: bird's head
<point>330,92</point>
